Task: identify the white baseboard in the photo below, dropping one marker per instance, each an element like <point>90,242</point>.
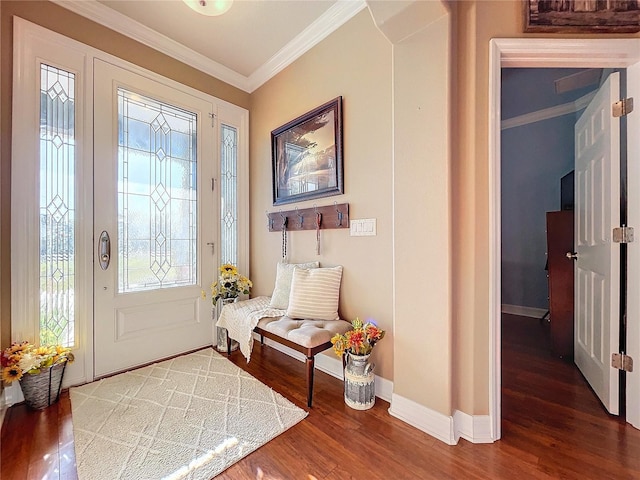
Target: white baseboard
<point>523,311</point>
<point>333,367</point>
<point>429,421</point>
<point>474,428</point>
<point>449,429</point>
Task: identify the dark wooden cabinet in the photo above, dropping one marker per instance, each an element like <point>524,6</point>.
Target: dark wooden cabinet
<point>560,271</point>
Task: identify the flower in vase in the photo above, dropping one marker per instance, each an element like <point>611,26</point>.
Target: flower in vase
<point>230,284</point>
<point>25,358</point>
<point>360,340</point>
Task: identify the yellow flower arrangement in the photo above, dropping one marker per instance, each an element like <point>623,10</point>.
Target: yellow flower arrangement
<point>230,284</point>
<point>358,341</point>
<point>24,358</point>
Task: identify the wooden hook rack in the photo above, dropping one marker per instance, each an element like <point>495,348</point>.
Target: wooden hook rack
<point>332,216</point>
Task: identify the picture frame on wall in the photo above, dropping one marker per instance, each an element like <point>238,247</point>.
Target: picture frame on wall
<point>581,16</point>
<point>307,155</point>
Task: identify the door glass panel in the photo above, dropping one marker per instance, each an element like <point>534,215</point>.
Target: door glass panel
<point>57,206</point>
<point>229,195</point>
<point>157,195</point>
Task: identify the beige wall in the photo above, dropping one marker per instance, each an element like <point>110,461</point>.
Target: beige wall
<point>79,28</point>
<point>354,62</point>
<point>422,213</point>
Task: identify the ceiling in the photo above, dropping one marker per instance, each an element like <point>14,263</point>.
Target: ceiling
<point>245,47</point>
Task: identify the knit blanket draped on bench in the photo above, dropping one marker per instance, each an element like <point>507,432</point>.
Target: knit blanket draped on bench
<point>240,318</point>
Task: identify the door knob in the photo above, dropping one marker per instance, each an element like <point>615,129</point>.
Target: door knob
<point>572,255</point>
<point>104,250</point>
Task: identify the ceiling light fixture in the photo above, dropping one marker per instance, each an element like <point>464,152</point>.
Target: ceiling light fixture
<point>211,8</point>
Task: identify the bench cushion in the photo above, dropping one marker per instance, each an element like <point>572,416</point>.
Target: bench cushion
<point>308,333</point>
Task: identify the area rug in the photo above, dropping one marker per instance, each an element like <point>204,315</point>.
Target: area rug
<point>190,417</point>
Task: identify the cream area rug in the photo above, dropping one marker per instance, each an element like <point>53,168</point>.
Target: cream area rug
<point>190,417</point>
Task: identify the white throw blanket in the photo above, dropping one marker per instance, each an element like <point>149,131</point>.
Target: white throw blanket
<point>240,318</point>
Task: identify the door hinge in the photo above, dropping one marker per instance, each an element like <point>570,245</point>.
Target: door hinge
<point>622,107</point>
<point>623,235</point>
<point>213,184</point>
<point>212,116</point>
<point>622,362</point>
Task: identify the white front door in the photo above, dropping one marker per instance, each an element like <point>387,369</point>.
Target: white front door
<point>154,154</point>
<point>597,268</point>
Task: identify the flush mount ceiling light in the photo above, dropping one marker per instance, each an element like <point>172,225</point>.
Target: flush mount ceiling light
<point>211,8</point>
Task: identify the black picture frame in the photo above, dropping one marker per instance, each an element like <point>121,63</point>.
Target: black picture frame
<point>307,158</point>
<point>571,16</point>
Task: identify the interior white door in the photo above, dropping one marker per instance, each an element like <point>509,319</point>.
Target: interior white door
<point>154,148</point>
<point>597,268</point>
<point>633,249</point>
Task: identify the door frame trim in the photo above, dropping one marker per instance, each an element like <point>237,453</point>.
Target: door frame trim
<point>542,53</point>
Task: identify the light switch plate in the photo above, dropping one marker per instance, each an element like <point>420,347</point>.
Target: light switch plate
<point>365,227</point>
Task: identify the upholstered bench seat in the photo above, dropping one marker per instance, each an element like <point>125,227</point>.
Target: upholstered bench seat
<point>306,333</point>
<point>309,337</point>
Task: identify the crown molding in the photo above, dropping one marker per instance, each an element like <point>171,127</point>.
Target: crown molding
<point>337,15</point>
<point>331,20</point>
<point>548,113</point>
<point>120,23</point>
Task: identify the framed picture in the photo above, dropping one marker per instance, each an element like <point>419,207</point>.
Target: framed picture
<point>307,155</point>
<point>582,16</point>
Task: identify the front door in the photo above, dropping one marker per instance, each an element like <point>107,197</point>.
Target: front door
<point>154,146</point>
<point>597,267</point>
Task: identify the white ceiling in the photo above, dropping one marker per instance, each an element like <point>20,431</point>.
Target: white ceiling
<point>245,47</point>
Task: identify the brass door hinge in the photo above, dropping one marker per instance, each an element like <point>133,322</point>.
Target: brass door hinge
<point>623,235</point>
<point>622,107</point>
<point>622,362</point>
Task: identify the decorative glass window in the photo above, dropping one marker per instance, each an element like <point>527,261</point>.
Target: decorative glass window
<point>57,206</point>
<point>229,195</point>
<point>157,194</point>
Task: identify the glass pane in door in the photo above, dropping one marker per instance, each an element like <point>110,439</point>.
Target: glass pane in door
<point>57,206</point>
<point>229,194</point>
<point>157,194</point>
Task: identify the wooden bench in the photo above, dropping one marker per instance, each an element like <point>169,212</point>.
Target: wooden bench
<point>308,337</point>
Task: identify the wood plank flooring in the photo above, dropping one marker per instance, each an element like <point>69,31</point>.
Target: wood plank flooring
<point>552,427</point>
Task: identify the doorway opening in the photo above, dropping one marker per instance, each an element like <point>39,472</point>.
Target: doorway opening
<point>541,108</point>
<point>535,53</point>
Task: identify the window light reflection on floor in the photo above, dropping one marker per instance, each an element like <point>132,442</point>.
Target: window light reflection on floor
<point>202,460</point>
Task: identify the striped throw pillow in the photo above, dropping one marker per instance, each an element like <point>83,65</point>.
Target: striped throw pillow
<point>284,275</point>
<point>315,293</point>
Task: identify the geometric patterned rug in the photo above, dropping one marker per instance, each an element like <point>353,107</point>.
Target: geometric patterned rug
<point>190,417</point>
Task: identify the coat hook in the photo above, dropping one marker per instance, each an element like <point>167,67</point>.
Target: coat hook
<point>339,222</point>
<point>300,218</point>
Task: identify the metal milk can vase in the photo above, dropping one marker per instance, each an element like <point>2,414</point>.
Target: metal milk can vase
<point>359,382</point>
<point>221,333</point>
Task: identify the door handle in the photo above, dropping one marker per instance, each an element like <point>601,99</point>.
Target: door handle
<point>104,250</point>
<point>572,255</point>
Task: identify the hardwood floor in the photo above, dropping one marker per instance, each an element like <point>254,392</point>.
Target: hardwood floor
<point>552,427</point>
